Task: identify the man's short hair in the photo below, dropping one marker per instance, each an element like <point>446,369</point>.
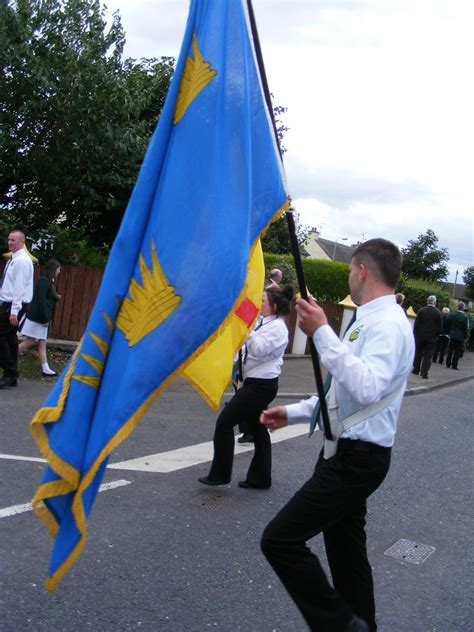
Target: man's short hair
<point>461,305</point>
<point>431,300</point>
<point>19,232</point>
<point>382,257</point>
<point>275,272</point>
<point>445,311</point>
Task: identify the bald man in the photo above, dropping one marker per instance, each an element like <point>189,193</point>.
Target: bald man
<point>16,291</point>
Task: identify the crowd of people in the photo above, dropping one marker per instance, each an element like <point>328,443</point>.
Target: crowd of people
<point>438,334</point>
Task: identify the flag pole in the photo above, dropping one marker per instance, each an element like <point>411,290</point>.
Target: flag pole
<point>291,230</point>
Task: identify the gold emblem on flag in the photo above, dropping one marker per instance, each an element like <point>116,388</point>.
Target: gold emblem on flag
<point>97,364</point>
<point>197,74</point>
<point>149,304</point>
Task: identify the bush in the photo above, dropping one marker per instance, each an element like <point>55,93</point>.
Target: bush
<point>417,291</point>
<point>326,280</point>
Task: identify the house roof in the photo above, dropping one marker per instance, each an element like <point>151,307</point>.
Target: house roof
<point>336,251</point>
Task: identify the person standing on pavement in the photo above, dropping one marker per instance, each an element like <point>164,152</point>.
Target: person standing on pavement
<point>262,361</point>
<point>428,326</point>
<point>443,338</point>
<point>457,335</point>
<point>369,369</point>
<point>40,313</point>
<point>276,276</point>
<point>16,291</point>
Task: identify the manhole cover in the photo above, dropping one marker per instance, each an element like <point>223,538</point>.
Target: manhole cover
<point>408,551</point>
<point>211,501</point>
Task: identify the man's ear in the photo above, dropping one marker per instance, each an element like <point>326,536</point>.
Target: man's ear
<point>363,271</point>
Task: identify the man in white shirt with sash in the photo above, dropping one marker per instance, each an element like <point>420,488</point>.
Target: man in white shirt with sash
<point>369,369</point>
<point>16,291</point>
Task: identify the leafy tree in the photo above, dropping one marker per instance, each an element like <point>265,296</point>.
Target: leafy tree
<point>468,278</point>
<point>75,119</point>
<point>277,239</point>
<point>422,259</point>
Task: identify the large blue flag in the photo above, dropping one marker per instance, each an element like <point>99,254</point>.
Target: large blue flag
<point>210,184</point>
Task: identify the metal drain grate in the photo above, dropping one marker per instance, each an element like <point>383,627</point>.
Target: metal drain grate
<point>408,551</point>
<point>211,501</point>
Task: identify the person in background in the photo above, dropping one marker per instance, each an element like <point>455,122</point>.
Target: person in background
<point>443,338</point>
<point>16,291</point>
<point>261,365</point>
<point>40,313</point>
<point>458,334</point>
<point>276,276</point>
<point>428,326</point>
<point>400,298</point>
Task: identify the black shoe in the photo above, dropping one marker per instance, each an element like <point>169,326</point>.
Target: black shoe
<point>206,481</point>
<point>455,368</point>
<point>246,485</point>
<point>8,380</point>
<point>356,625</point>
<point>54,374</point>
<point>246,438</point>
<point>415,372</point>
<point>425,377</point>
<point>435,361</point>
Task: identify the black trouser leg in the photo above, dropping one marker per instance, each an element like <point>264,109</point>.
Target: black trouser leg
<point>351,572</point>
<point>427,356</point>
<point>418,356</point>
<point>442,348</point>
<point>330,501</point>
<point>454,351</point>
<point>8,345</point>
<point>248,402</point>
<point>260,469</point>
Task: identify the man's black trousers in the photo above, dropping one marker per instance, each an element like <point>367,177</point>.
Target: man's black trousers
<point>332,501</point>
<point>8,342</point>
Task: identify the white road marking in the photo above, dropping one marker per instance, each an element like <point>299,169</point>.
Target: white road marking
<point>18,509</point>
<point>15,457</point>
<point>195,454</point>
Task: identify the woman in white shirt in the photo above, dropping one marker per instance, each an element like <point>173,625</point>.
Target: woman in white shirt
<point>262,360</point>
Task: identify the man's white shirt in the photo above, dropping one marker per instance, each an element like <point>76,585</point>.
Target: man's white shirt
<point>373,360</point>
<point>17,287</point>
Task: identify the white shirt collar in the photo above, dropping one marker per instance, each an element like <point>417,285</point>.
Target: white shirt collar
<point>375,304</point>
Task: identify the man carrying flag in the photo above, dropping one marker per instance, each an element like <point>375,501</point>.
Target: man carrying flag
<point>369,367</point>
<point>210,185</point>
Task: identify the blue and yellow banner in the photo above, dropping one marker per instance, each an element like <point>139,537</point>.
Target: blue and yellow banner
<point>185,275</point>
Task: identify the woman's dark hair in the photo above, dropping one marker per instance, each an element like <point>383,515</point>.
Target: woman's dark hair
<point>280,298</point>
<point>50,270</point>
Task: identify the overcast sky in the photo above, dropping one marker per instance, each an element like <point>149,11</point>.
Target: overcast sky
<point>380,102</point>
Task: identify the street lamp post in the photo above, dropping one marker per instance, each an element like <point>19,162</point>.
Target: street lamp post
<point>335,246</point>
<point>454,286</point>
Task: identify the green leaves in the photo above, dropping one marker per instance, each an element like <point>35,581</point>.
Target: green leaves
<point>75,118</point>
<point>422,259</point>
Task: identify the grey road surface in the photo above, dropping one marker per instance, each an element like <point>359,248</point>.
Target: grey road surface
<point>165,553</point>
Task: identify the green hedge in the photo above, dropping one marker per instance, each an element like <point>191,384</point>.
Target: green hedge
<point>326,280</point>
<point>417,291</point>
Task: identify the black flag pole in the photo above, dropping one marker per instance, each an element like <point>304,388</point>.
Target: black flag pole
<point>291,230</point>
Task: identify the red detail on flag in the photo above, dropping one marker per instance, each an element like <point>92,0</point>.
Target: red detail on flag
<point>247,311</point>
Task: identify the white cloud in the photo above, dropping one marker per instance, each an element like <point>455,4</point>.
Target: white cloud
<point>380,101</point>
